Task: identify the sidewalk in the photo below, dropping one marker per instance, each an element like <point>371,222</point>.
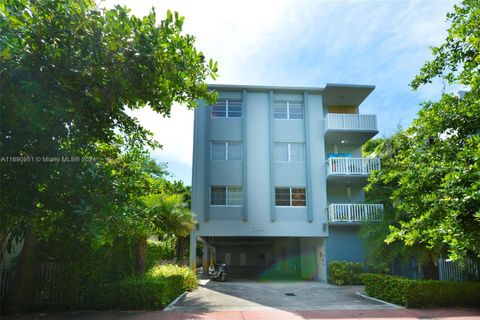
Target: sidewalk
<point>404,314</point>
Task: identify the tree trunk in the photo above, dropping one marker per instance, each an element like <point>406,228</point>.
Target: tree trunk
<point>21,295</point>
<point>430,269</point>
<point>141,255</point>
<point>179,248</point>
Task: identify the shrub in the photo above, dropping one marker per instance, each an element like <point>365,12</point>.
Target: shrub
<point>189,279</point>
<point>345,272</point>
<point>139,293</point>
<point>422,293</point>
<point>160,250</point>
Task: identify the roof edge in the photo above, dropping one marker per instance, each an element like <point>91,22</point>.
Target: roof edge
<point>287,88</point>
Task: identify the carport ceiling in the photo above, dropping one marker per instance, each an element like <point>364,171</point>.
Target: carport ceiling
<point>243,241</point>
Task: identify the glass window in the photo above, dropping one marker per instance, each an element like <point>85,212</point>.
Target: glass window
<point>227,108</point>
<point>291,152</point>
<point>234,108</point>
<point>298,197</point>
<point>235,151</point>
<point>297,152</point>
<point>282,196</point>
<point>234,196</point>
<point>295,110</point>
<point>280,110</point>
<point>281,151</point>
<point>288,110</point>
<point>219,110</point>
<point>218,196</point>
<point>218,150</point>
<point>226,196</point>
<point>295,197</point>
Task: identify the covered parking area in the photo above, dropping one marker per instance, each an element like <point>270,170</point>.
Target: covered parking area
<point>264,258</point>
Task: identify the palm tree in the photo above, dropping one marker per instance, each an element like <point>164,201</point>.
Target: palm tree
<point>165,215</point>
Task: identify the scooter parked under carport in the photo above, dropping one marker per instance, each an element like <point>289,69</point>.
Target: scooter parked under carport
<point>218,272</point>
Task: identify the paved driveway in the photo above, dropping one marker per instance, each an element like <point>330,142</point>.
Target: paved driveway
<point>254,295</point>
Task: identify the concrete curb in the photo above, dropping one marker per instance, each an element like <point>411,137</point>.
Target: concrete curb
<point>171,305</point>
<point>378,300</point>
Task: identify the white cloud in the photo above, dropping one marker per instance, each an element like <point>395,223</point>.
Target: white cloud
<point>305,43</point>
<point>174,133</point>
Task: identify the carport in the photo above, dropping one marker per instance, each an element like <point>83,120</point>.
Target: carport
<point>261,257</point>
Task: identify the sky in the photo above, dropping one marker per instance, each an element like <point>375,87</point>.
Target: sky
<point>304,43</point>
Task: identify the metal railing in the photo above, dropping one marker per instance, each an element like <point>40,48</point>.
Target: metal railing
<point>346,121</point>
<point>352,166</point>
<point>347,212</point>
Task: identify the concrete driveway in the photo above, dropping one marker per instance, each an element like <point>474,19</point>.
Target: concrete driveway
<point>255,295</point>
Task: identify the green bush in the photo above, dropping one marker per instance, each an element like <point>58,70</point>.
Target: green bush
<point>139,293</point>
<point>160,250</point>
<point>349,273</point>
<point>345,272</point>
<point>422,293</point>
<point>189,279</point>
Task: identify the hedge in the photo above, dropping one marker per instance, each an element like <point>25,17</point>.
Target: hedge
<point>422,293</point>
<point>139,293</point>
<point>189,279</point>
<point>349,273</point>
<point>161,285</point>
<point>345,272</point>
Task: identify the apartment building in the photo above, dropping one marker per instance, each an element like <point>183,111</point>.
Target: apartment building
<point>278,177</point>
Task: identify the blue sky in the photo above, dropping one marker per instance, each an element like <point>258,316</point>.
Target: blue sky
<point>305,43</point>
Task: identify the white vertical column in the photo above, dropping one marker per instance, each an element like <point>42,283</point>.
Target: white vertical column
<point>192,257</point>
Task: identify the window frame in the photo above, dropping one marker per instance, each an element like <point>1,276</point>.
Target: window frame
<point>291,197</point>
<point>227,153</point>
<point>288,109</point>
<point>289,152</point>
<point>227,109</point>
<point>226,197</point>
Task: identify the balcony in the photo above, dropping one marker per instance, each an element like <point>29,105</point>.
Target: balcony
<point>351,167</point>
<point>348,212</point>
<point>350,128</point>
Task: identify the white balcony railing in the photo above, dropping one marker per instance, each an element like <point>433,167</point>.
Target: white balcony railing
<point>340,212</point>
<point>345,121</point>
<point>352,166</point>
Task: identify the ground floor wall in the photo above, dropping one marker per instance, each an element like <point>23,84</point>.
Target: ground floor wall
<point>343,243</point>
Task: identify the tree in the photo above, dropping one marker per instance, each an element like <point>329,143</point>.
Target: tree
<point>381,187</point>
<point>68,74</point>
<point>435,173</point>
<point>167,215</point>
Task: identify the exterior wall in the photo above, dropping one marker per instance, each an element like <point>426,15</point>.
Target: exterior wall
<point>337,193</point>
<point>343,244</point>
<point>312,259</point>
<point>342,109</point>
<point>261,131</point>
<point>302,232</point>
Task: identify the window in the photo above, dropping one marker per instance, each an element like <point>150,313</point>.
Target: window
<point>227,108</point>
<point>226,151</point>
<point>288,110</point>
<point>290,152</point>
<point>243,259</point>
<point>290,197</point>
<point>226,196</point>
